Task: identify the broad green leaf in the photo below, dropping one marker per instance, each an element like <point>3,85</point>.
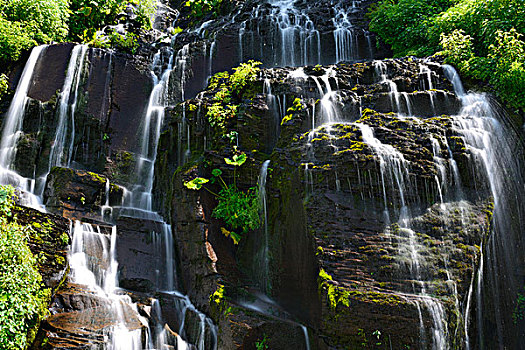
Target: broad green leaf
<point>196,183</point>
<point>238,159</point>
<point>216,172</point>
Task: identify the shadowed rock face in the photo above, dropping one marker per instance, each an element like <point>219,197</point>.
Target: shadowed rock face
<point>49,240</point>
<point>112,97</point>
<point>79,194</point>
<point>344,228</point>
<point>326,204</point>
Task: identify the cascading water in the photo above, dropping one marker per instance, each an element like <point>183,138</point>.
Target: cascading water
<point>138,202</point>
<point>395,95</point>
<point>262,257</point>
<point>482,132</point>
<point>62,145</point>
<point>62,150</point>
<point>293,37</point>
<point>12,130</point>
<point>490,141</point>
<point>93,253</point>
<point>93,264</point>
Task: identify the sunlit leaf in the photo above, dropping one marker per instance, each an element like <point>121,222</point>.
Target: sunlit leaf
<point>196,183</point>
<point>236,237</point>
<point>225,232</point>
<point>238,159</point>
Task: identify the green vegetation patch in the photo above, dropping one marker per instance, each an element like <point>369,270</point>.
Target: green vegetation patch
<point>238,209</point>
<point>27,23</point>
<point>23,298</point>
<point>484,39</point>
<point>229,88</point>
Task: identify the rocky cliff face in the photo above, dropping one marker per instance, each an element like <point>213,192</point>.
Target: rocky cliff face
<point>347,215</point>
<point>379,198</point>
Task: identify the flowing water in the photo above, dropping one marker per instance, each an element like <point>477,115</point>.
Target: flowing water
<point>491,151</point>
<point>287,29</point>
<point>93,254</point>
<point>94,264</point>
<point>262,258</point>
<point>294,40</point>
<point>491,143</point>
<point>12,129</point>
<point>62,147</point>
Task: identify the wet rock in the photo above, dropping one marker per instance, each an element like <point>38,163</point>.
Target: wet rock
<point>112,97</point>
<point>49,240</point>
<point>332,202</point>
<point>78,194</point>
<point>142,254</point>
<point>81,319</point>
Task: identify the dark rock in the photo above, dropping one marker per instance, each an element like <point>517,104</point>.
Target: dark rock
<point>78,194</point>
<point>49,240</point>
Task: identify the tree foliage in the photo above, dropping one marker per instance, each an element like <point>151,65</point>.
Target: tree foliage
<point>90,16</point>
<point>26,23</point>
<point>484,39</point>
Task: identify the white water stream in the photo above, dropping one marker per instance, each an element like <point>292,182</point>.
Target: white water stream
<point>12,130</point>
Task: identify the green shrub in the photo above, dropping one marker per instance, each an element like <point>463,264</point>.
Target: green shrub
<point>238,209</point>
<point>23,299</point>
<point>200,8</point>
<point>244,74</point>
<point>229,87</point>
<point>90,16</point>
<point>482,38</point>
<point>404,24</point>
<point>3,85</point>
<point>45,20</point>
<point>262,344</point>
<point>26,23</point>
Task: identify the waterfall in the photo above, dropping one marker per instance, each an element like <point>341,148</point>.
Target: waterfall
<point>262,258</point>
<point>345,40</point>
<point>60,144</point>
<point>490,142</point>
<point>138,202</point>
<point>293,37</point>
<point>141,198</point>
<point>94,264</point>
<point>395,95</point>
<point>306,338</point>
<point>13,129</point>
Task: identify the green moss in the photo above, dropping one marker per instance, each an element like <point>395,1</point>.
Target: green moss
<point>377,297</point>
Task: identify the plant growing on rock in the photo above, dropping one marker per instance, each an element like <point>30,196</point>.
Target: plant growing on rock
<point>229,87</point>
<point>262,344</point>
<point>238,209</point>
<point>89,16</point>
<point>200,8</point>
<point>3,85</point>
<point>336,295</point>
<point>23,300</point>
<point>519,311</point>
<point>297,106</point>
